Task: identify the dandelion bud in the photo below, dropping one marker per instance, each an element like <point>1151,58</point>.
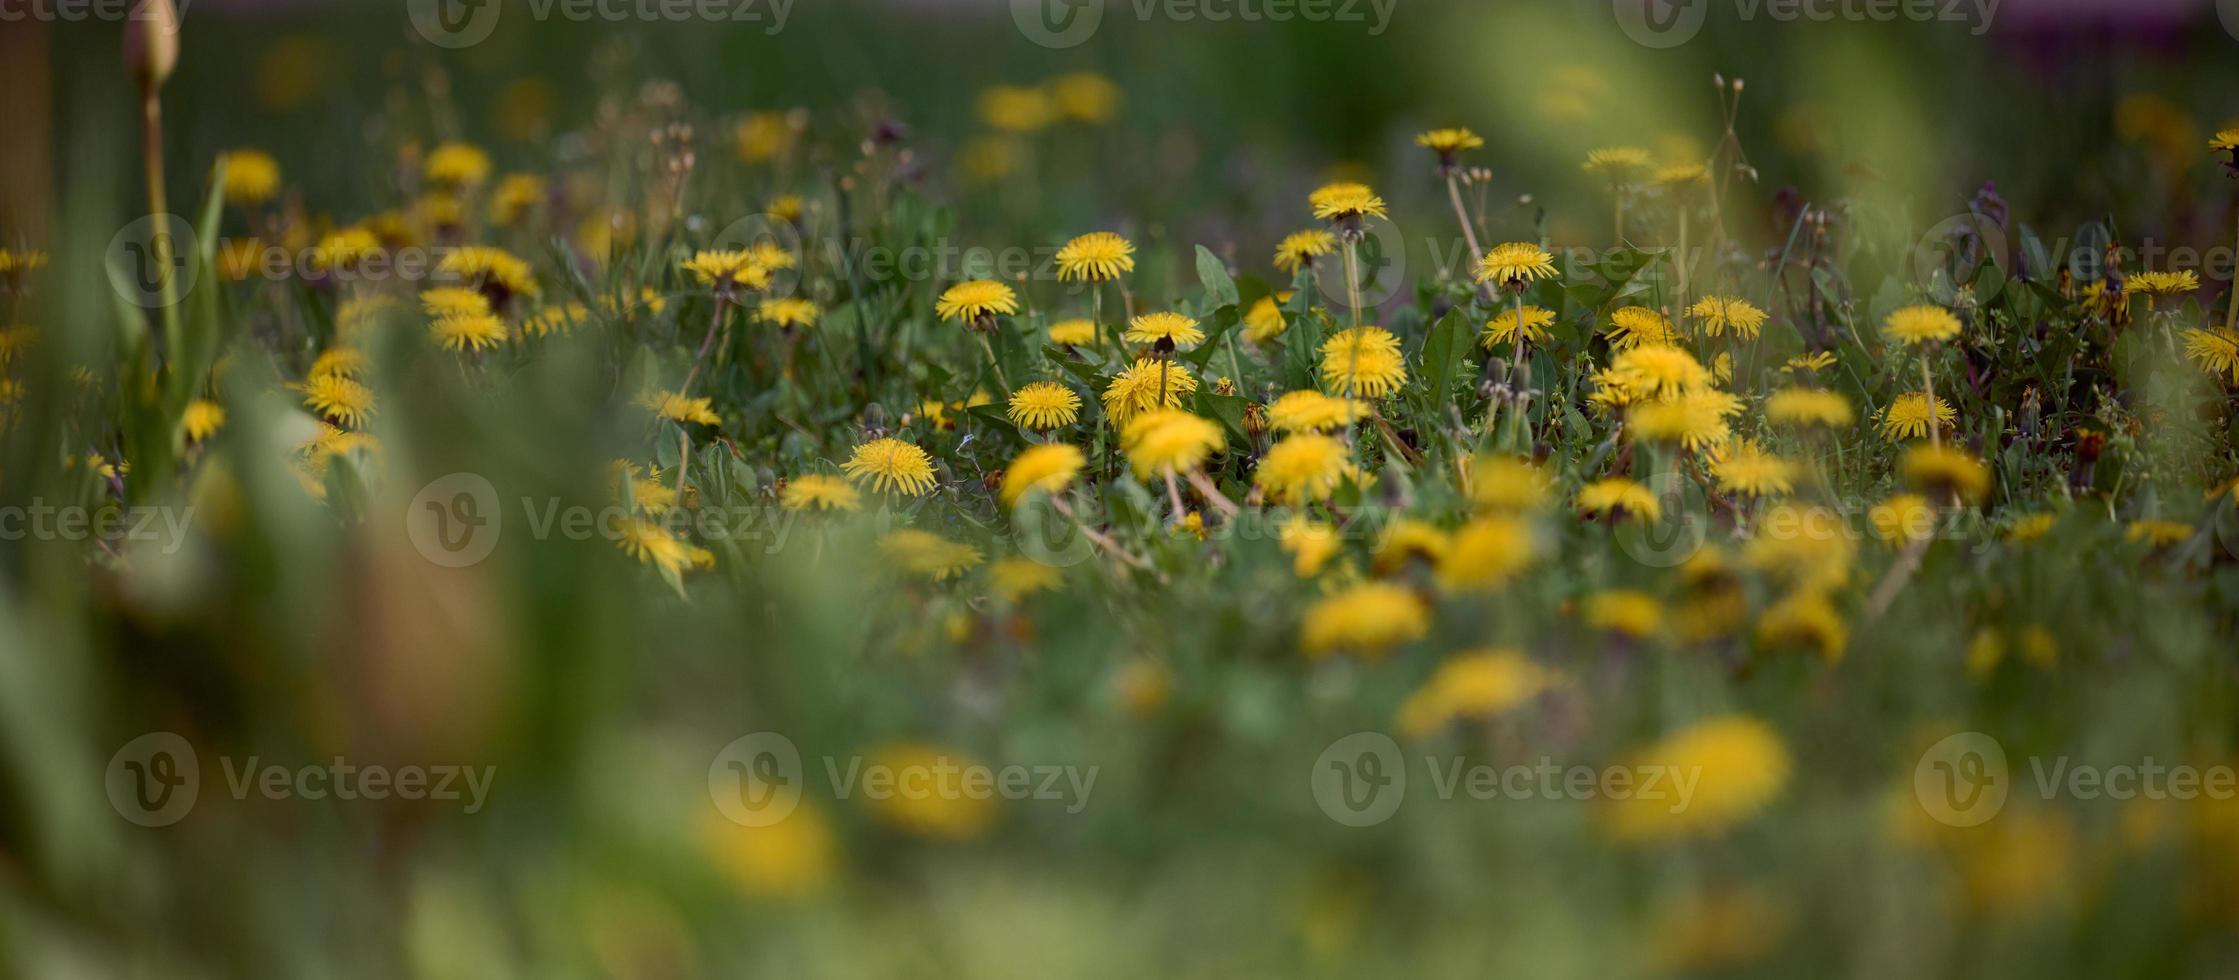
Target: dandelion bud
<point>151,44</point>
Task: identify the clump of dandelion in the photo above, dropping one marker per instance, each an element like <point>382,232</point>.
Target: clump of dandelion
<point>1368,620</point>
<point>1044,405</point>
<point>890,465</point>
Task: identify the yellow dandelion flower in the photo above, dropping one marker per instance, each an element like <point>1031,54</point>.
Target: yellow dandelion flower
<point>1146,385</point>
<point>494,270</point>
<point>653,545</point>
<point>1370,620</point>
<point>1016,108</point>
<point>931,800</point>
<point>339,400</point>
<point>515,197</point>
<point>2163,283</point>
<point>1639,326</point>
<point>764,136</point>
<point>444,301</point>
<point>1917,325</point>
<point>1626,612</point>
<point>1312,411</point>
<point>1013,579</point>
<point>1739,766</point>
<point>1363,361</point>
<point>1944,471</point>
<point>795,857</point>
<point>251,176</point>
<point>2216,350</point>
<point>202,419</point>
<point>1473,686</point>
<point>1681,175</point>
<point>1749,471</point>
<point>560,320</point>
<point>890,465</point>
<point>1073,333</point>
<point>1809,407</point>
<point>1099,256</point>
<point>1406,541</point>
<point>1169,439</point>
<point>675,407</point>
<point>476,331</point>
<point>1805,619</point>
<point>786,207</point>
<point>820,491</point>
<point>1512,265</point>
<point>1617,162</point>
<point>1085,96</point>
<point>1809,547</point>
<point>2032,527</point>
<point>1695,421</point>
<point>976,299</point>
<point>1502,328</point>
<point>1448,142</point>
<point>787,312</point>
<point>1815,361</point>
<point>1302,468</point>
<point>1049,467</point>
<point>1264,321</point>
<point>1044,405</point>
<point>1910,415</point>
<point>1486,554</point>
<point>1619,499</point>
<point>1719,314</point>
<point>457,165</point>
<point>1345,201</point>
<point>344,249</point>
<point>2160,534</point>
<point>928,555</point>
<point>1310,543</point>
<point>1174,329</point>
<point>1299,248</point>
<point>341,362</point>
<point>727,269</point>
<point>1508,483</point>
<point>1903,518</point>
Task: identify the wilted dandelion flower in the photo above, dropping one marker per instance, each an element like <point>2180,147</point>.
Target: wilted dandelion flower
<point>820,491</point>
<point>338,399</point>
<point>2216,350</point>
<point>1345,201</point>
<point>1902,518</point>
<point>1639,326</point>
<point>1508,483</point>
<point>1369,620</point>
<point>1299,248</point>
<point>1073,333</point>
<point>1099,256</point>
<point>1049,467</point>
<point>468,331</point>
<point>1264,321</point>
<point>787,312</point>
<point>1910,415</point>
<point>1145,385</point>
<point>1626,612</point>
<point>1719,314</point>
<point>1917,325</point>
<point>1169,440</point>
<point>1945,471</point>
<point>727,270</point>
<point>1617,162</point>
<point>975,300</point>
<point>1619,499</point>
<point>251,176</point>
<point>202,419</point>
<point>1312,411</point>
<point>1363,361</point>
<point>1485,554</point>
<point>1044,405</point>
<point>1172,329</point>
<point>1747,470</point>
<point>1302,468</point>
<point>928,555</point>
<point>1808,407</point>
<point>2158,533</point>
<point>890,465</point>
<point>457,165</point>
<point>675,407</point>
<point>1503,327</point>
<point>1740,766</point>
<point>1511,265</point>
<point>1473,686</point>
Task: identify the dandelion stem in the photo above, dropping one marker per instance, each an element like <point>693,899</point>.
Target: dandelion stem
<point>993,363</point>
<point>1352,281</point>
<point>159,207</point>
<point>1212,494</point>
<point>714,327</point>
<point>1928,384</point>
